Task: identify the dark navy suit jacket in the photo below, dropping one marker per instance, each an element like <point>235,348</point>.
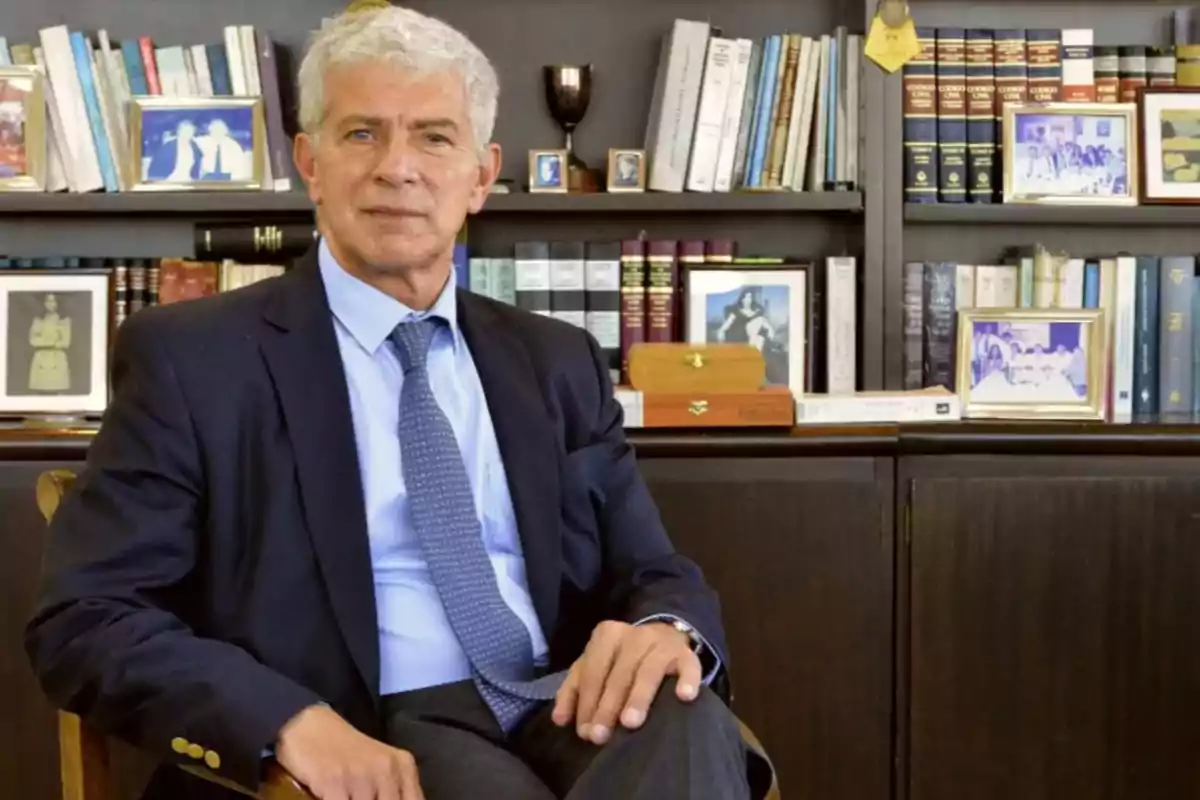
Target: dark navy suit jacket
<point>210,575</point>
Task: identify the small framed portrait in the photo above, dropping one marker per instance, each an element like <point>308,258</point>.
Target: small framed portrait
<point>196,143</point>
<point>1169,119</point>
<point>1032,364</point>
<point>1071,153</point>
<point>765,308</point>
<point>548,171</point>
<point>626,170</point>
<point>55,325</point>
<point>22,130</point>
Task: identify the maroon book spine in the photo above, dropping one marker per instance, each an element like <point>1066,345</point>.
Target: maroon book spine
<point>633,300</point>
<point>662,280</point>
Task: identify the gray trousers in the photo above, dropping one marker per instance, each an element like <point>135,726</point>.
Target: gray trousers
<point>682,751</point>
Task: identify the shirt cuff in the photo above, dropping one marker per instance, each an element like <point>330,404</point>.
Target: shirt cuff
<point>707,653</point>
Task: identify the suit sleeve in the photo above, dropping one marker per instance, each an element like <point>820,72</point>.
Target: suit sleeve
<point>649,578</point>
<point>109,638</point>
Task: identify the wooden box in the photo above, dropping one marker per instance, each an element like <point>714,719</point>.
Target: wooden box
<point>772,407</point>
<point>680,368</point>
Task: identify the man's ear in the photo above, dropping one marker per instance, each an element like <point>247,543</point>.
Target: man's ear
<point>304,155</point>
<point>487,173</point>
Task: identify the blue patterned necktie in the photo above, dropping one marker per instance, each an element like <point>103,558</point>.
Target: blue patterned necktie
<point>443,514</point>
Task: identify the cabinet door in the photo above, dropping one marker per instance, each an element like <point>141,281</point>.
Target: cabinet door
<point>1055,631</point>
<point>800,551</point>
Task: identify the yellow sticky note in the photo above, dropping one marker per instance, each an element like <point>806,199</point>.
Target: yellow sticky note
<point>892,48</point>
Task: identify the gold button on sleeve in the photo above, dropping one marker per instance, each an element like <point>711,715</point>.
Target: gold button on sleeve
<point>212,759</point>
<point>180,745</point>
<point>195,751</point>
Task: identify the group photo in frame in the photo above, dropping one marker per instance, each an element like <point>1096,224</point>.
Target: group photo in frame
<point>1169,122</point>
<point>1071,153</point>
<point>1032,364</point>
<point>56,332</point>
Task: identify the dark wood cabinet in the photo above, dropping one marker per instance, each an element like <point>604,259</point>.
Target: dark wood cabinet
<point>1052,618</point>
<point>800,550</point>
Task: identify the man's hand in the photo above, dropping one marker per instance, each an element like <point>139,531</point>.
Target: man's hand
<point>620,673</point>
<point>335,761</point>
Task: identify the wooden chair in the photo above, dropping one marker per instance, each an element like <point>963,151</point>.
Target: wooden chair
<point>83,752</point>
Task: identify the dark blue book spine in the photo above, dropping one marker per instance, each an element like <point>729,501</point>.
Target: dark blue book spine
<point>920,123</point>
<point>1177,273</point>
<point>1043,51</point>
<point>940,318</point>
<point>1012,83</point>
<point>1145,338</point>
<point>218,68</point>
<point>981,117</point>
<point>952,115</point>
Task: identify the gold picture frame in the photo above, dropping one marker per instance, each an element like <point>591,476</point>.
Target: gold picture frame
<point>22,141</point>
<point>555,182</point>
<point>163,120</point>
<point>619,179</point>
<point>1087,177</point>
<point>1003,354</point>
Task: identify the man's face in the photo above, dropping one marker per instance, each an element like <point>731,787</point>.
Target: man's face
<point>395,169</point>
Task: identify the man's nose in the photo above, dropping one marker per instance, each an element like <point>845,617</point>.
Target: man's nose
<point>399,162</point>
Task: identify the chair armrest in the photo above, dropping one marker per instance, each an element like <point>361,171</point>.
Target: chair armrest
<point>277,784</point>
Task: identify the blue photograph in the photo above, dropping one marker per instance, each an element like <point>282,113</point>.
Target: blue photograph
<point>548,171</point>
<point>1076,155</point>
<point>755,315</point>
<point>186,145</point>
<point>1029,362</point>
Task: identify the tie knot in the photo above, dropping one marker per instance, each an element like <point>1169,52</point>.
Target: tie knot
<point>412,341</point>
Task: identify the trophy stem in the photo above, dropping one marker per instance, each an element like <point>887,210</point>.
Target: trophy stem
<point>570,146</point>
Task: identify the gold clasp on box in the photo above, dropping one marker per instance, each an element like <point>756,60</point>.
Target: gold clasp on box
<point>698,407</point>
<point>694,359</point>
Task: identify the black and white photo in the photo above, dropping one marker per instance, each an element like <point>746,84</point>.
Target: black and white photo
<point>55,326</point>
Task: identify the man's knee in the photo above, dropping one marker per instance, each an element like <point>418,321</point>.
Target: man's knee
<point>705,713</point>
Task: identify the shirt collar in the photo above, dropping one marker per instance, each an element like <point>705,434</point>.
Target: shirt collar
<point>369,314</point>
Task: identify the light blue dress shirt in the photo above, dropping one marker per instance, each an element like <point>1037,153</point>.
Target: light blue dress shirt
<point>417,647</point>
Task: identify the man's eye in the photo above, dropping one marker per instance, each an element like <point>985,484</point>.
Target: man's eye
<point>437,138</point>
<point>359,134</point>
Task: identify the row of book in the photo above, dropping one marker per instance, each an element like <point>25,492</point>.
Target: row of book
<point>1151,305</point>
<point>140,282</point>
<point>776,113</point>
<point>636,290</point>
<point>956,89</point>
<point>88,89</point>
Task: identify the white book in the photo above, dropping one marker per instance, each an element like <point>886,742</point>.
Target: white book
<point>1070,284</point>
<point>841,281</point>
<point>203,73</point>
<point>710,118</point>
<point>250,60</point>
<point>985,287</point>
<point>731,126</point>
<point>789,153</point>
<point>5,58</point>
<point>673,105</point>
<point>1124,326</point>
<point>82,161</point>
<point>816,165</point>
<point>964,286</point>
<point>172,72</point>
<point>812,73</point>
<point>1008,286</point>
<point>112,130</point>
<point>237,69</point>
<point>118,88</point>
<point>58,174</point>
<point>923,405</point>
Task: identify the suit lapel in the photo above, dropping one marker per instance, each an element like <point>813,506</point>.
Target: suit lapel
<point>306,366</point>
<point>527,445</point>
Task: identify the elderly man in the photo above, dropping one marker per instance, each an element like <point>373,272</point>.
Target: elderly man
<point>387,532</point>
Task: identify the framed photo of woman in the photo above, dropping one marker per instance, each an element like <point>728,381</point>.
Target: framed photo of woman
<point>766,308</point>
<point>55,324</point>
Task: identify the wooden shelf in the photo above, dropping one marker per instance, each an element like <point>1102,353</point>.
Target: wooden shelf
<point>1022,214</point>
<point>221,203</point>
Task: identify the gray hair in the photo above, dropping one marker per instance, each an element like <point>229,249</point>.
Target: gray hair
<point>408,39</point>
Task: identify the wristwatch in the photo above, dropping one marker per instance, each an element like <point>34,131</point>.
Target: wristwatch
<point>690,632</point>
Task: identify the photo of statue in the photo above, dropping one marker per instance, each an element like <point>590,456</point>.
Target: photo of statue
<point>49,343</point>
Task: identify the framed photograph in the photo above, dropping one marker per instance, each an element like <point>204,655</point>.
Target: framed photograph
<point>766,308</point>
<point>626,170</point>
<point>1169,120</point>
<point>196,143</point>
<point>22,130</point>
<point>1032,363</point>
<point>55,325</point>
<point>1071,153</point>
<point>548,171</point>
